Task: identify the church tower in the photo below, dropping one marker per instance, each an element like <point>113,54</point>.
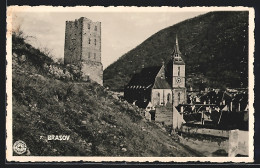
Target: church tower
<point>178,76</point>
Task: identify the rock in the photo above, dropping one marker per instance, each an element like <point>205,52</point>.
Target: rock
<point>15,55</point>
<point>23,58</point>
<point>124,149</point>
<point>84,122</point>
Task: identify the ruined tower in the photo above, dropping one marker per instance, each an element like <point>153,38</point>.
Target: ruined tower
<point>178,76</point>
<point>83,47</point>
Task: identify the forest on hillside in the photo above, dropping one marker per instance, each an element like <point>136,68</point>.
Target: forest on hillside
<point>214,45</point>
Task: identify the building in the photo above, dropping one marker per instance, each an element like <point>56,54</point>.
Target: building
<point>83,47</point>
<point>147,86</point>
<point>159,89</point>
<point>178,76</point>
<point>159,85</point>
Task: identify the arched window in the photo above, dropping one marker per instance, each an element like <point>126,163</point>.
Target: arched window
<point>95,28</point>
<point>95,41</point>
<point>89,41</point>
<point>179,97</point>
<point>179,69</point>
<point>88,26</point>
<point>156,98</point>
<point>169,97</point>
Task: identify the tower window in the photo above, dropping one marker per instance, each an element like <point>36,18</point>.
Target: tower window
<point>179,97</point>
<point>179,71</point>
<point>88,26</point>
<point>89,41</point>
<point>95,42</point>
<point>95,28</point>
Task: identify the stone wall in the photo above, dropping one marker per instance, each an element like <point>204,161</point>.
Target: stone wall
<point>92,70</point>
<point>163,115</point>
<point>73,42</point>
<point>83,47</point>
<point>207,145</point>
<point>91,41</point>
<point>238,143</point>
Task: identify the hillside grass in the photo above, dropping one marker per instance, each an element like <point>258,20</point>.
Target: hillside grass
<point>97,123</point>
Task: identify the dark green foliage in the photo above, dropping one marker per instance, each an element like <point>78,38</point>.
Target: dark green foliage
<point>214,44</point>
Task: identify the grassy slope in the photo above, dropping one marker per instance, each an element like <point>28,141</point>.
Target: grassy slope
<point>43,106</point>
<point>214,44</point>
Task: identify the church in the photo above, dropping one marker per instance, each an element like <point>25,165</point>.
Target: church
<point>158,87</point>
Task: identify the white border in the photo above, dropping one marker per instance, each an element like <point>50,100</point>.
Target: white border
<point>9,142</point>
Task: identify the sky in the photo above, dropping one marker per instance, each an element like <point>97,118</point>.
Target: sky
<point>121,30</point>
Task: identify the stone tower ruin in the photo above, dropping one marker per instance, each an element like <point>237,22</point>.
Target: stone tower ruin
<point>83,47</point>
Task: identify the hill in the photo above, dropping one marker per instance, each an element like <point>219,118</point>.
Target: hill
<point>214,45</point>
<point>98,124</point>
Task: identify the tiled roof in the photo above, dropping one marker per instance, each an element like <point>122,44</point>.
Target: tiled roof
<point>161,84</point>
<point>145,78</point>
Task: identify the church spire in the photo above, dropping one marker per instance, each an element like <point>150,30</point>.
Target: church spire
<point>177,40</point>
<point>176,50</point>
<point>176,54</point>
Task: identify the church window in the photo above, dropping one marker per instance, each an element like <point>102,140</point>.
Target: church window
<point>95,28</point>
<point>179,71</point>
<point>156,98</point>
<point>168,97</point>
<point>179,97</point>
<point>89,41</point>
<point>88,26</point>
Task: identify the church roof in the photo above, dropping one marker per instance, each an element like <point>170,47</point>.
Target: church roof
<point>161,84</point>
<point>145,78</point>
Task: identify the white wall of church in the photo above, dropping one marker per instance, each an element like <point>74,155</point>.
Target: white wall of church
<point>160,96</point>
